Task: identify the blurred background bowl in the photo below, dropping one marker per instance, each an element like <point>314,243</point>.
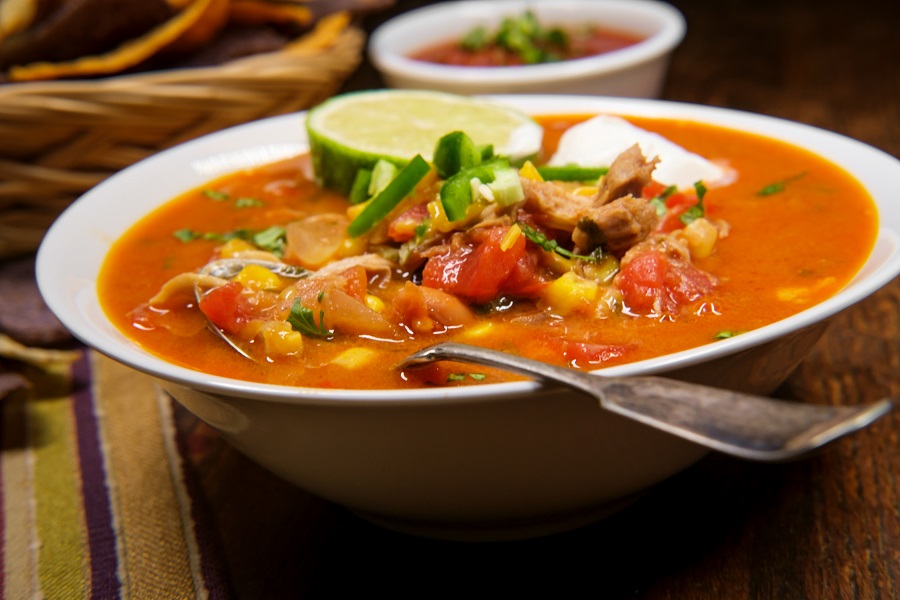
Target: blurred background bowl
<point>635,71</point>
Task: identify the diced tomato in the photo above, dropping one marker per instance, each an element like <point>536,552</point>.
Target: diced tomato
<point>353,281</point>
<point>653,282</point>
<point>226,307</point>
<point>403,228</point>
<point>671,221</point>
<point>481,270</point>
<point>652,190</point>
<point>586,353</point>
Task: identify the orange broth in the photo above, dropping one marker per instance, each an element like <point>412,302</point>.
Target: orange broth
<point>785,252</point>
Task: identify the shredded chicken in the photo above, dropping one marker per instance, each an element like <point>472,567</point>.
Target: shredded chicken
<point>372,263</point>
<point>672,245</point>
<point>557,208</point>
<point>616,217</point>
<point>627,175</point>
<point>618,225</point>
<point>182,286</point>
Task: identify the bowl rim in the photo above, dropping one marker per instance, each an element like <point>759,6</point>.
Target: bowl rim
<point>66,292</point>
<point>386,48</point>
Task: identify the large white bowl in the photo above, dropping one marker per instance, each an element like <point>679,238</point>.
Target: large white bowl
<point>637,71</point>
<point>496,461</point>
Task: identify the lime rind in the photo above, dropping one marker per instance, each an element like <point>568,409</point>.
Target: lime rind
<point>355,130</point>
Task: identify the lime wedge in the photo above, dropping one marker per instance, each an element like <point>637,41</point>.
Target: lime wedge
<point>355,130</point>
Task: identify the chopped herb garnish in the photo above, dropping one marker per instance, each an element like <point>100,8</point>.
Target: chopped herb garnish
<point>659,202</point>
<point>248,202</point>
<point>271,239</point>
<point>697,211</point>
<point>778,186</point>
<point>724,335</point>
<point>216,195</point>
<point>186,235</point>
<point>476,39</point>
<point>302,319</point>
<point>462,376</point>
<point>549,245</point>
<point>421,229</point>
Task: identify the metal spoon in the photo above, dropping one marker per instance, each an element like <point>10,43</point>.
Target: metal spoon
<point>742,425</point>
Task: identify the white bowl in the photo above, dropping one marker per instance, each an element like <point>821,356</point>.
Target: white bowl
<point>494,461</point>
<point>637,71</point>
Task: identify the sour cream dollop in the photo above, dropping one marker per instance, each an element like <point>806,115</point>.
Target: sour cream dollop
<point>598,141</point>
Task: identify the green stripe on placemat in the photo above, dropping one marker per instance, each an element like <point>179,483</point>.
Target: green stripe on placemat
<point>63,567</point>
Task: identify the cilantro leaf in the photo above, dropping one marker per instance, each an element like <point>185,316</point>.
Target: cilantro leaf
<point>778,186</point>
<point>303,320</point>
<point>216,195</point>
<point>697,211</point>
<point>549,245</point>
<point>245,202</point>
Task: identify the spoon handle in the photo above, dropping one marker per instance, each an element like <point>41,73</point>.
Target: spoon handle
<point>742,425</point>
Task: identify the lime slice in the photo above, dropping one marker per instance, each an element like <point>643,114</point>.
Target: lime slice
<point>354,130</point>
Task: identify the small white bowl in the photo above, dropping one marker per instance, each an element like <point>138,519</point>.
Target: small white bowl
<point>636,71</point>
<point>496,461</point>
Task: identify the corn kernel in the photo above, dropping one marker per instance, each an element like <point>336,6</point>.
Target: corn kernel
<point>354,209</point>
<point>529,171</point>
<point>234,247</point>
<point>281,340</point>
<point>509,239</point>
<point>256,277</point>
<point>352,246</point>
<point>354,358</point>
<point>477,331</point>
<point>701,236</point>
<point>439,220</point>
<point>375,303</point>
<point>570,293</point>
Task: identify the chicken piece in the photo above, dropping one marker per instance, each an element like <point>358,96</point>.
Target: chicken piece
<point>555,207</point>
<point>618,225</point>
<point>627,175</point>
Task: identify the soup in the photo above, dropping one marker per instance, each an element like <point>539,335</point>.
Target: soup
<point>789,231</point>
<point>524,41</point>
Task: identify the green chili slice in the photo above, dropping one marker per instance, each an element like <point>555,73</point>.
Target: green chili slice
<point>382,204</point>
<point>572,173</point>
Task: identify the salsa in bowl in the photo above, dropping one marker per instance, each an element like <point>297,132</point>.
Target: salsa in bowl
<point>457,455</point>
<point>627,56</point>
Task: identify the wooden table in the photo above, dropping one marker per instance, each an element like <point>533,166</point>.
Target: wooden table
<point>825,527</point>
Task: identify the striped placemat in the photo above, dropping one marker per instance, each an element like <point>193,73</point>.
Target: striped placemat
<point>98,497</point>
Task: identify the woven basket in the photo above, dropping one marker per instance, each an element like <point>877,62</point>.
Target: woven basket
<point>59,139</point>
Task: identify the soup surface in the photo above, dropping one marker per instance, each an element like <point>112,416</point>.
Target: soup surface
<point>788,232</point>
<point>524,40</point>
<point>588,41</point>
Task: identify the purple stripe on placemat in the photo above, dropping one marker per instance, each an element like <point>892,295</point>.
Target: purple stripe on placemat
<point>2,515</point>
<point>212,562</point>
<point>98,512</point>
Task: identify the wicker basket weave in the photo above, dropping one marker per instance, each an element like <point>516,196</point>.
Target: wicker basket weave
<point>58,139</point>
